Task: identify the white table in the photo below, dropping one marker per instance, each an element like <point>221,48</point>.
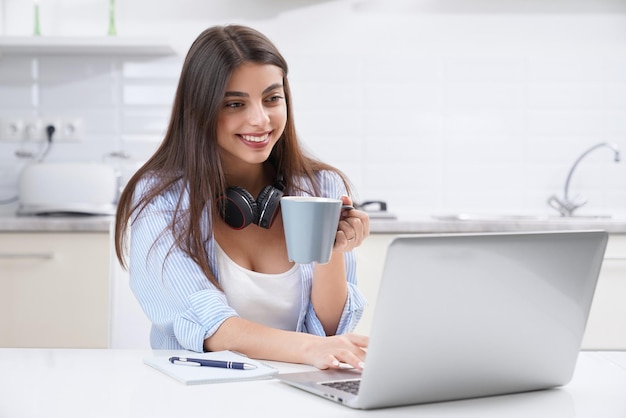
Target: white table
<point>115,383</point>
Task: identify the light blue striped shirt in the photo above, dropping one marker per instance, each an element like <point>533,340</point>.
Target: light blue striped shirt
<point>182,304</point>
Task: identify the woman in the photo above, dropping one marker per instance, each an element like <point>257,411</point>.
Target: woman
<point>210,275</point>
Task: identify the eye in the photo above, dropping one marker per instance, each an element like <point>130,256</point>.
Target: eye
<point>233,105</point>
<point>276,98</point>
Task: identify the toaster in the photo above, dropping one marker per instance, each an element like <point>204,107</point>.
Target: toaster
<point>67,188</point>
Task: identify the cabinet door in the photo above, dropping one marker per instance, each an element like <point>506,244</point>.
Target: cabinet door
<point>370,262</point>
<point>606,328</point>
<point>54,289</point>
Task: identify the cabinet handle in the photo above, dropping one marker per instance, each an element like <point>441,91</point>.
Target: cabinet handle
<point>26,256</point>
<point>615,258</point>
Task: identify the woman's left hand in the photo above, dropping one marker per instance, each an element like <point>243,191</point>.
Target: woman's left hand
<point>354,227</point>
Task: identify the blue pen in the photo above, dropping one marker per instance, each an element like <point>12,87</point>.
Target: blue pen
<point>185,361</point>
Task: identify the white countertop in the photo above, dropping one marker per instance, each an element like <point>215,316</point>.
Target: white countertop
<point>92,383</point>
<point>430,224</point>
<point>11,223</point>
<point>419,224</point>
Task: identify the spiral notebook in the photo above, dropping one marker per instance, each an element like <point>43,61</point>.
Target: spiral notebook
<point>197,375</point>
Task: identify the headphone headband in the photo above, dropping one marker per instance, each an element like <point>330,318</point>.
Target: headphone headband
<point>239,208</point>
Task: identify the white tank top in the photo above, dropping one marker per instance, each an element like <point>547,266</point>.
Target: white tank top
<point>269,299</point>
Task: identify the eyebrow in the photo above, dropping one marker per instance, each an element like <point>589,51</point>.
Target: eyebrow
<point>242,94</point>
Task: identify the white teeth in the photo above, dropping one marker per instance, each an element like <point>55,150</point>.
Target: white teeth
<point>251,138</point>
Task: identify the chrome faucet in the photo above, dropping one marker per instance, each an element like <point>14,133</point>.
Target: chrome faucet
<point>565,206</point>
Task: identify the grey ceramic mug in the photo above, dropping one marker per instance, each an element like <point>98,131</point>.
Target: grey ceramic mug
<point>310,225</point>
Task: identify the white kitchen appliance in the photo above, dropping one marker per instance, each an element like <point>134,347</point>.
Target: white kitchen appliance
<point>67,188</point>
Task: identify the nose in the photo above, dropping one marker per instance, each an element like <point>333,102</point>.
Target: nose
<point>258,115</point>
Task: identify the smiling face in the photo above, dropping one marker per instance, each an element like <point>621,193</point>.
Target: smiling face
<point>253,115</point>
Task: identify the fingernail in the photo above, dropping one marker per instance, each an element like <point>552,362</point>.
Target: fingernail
<point>335,362</point>
<point>361,364</point>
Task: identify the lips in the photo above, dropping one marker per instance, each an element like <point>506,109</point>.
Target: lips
<point>256,141</point>
<point>256,138</point>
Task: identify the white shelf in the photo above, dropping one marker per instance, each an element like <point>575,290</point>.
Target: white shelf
<point>111,46</point>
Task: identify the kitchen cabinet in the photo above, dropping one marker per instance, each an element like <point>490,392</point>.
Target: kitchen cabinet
<point>54,289</point>
<point>370,261</point>
<point>606,327</point>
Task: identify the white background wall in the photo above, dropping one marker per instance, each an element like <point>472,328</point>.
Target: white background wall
<point>434,106</point>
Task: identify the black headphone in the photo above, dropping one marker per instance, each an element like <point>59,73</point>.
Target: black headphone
<point>239,209</point>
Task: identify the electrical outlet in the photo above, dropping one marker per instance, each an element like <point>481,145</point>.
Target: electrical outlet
<point>11,130</point>
<point>71,129</point>
<point>45,122</point>
<point>33,131</point>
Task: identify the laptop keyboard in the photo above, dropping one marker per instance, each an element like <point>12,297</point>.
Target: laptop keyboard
<point>350,386</point>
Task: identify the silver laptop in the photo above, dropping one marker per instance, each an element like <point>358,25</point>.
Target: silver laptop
<point>469,315</point>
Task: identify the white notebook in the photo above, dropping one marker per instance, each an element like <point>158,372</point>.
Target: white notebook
<point>196,375</point>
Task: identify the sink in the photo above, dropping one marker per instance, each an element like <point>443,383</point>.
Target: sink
<point>516,217</point>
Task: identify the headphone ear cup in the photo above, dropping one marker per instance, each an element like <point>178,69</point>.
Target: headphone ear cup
<point>267,206</point>
<point>238,207</point>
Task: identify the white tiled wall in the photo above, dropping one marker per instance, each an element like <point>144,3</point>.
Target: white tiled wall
<point>432,106</point>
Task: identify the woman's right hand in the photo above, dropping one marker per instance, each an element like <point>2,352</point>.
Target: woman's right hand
<point>330,352</point>
<point>266,343</point>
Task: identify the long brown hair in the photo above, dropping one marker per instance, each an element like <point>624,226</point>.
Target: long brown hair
<point>189,153</point>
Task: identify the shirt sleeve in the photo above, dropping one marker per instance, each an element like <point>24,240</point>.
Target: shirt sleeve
<point>332,186</point>
<point>174,293</point>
